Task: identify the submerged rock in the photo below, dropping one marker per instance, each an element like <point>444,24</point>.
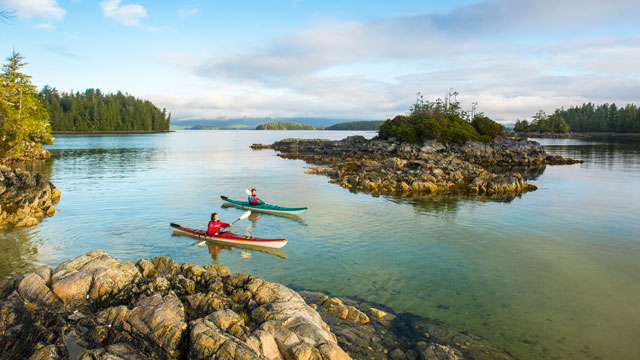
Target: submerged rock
<point>25,197</point>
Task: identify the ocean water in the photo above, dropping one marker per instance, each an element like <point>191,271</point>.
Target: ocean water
<point>552,273</point>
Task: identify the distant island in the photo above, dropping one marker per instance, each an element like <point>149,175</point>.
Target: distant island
<point>588,118</point>
<point>94,111</point>
<point>284,125</point>
<point>356,125</point>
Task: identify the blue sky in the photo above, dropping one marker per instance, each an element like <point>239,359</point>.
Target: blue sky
<point>336,59</point>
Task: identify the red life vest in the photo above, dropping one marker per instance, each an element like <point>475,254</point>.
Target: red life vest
<point>216,226</point>
<point>253,200</point>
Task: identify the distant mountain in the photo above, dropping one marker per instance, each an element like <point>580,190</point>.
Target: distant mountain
<point>251,122</point>
<point>284,125</point>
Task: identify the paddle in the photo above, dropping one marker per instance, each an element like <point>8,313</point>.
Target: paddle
<point>242,217</point>
<point>247,191</point>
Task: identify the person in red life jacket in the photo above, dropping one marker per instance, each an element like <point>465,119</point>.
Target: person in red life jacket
<point>215,225</point>
<point>253,198</point>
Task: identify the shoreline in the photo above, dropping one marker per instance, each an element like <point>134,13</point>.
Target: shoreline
<point>66,132</point>
<point>158,308</point>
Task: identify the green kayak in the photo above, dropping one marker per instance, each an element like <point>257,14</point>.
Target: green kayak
<point>265,208</point>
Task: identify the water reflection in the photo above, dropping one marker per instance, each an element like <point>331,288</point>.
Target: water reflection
<point>216,247</point>
<point>19,254</point>
<point>44,167</point>
<point>449,204</point>
<point>527,172</point>
<point>254,215</point>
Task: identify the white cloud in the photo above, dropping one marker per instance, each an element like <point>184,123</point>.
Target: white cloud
<point>129,15</point>
<point>187,11</point>
<point>495,52</point>
<point>34,8</point>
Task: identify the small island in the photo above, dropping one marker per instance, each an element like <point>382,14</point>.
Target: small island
<point>284,125</point>
<point>436,148</point>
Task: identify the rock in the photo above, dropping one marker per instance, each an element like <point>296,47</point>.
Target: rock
<point>25,197</point>
<point>441,352</point>
<point>377,313</point>
<point>161,320</point>
<point>96,307</point>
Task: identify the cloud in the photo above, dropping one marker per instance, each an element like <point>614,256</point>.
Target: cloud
<point>187,11</point>
<point>512,57</point>
<point>35,8</point>
<point>129,15</point>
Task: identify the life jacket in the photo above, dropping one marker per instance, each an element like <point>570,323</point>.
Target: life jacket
<point>253,200</point>
<point>215,226</point>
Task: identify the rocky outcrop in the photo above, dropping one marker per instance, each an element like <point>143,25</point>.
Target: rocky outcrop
<point>380,166</point>
<point>95,307</point>
<point>25,197</point>
<point>30,151</point>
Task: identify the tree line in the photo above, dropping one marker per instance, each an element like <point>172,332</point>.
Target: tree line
<point>93,110</point>
<point>356,125</point>
<point>586,118</point>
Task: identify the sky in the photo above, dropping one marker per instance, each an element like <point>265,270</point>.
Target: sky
<point>361,60</point>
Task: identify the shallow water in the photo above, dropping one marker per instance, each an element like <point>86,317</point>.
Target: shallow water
<point>551,273</point>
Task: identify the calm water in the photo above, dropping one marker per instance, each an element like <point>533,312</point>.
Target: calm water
<point>553,273</point>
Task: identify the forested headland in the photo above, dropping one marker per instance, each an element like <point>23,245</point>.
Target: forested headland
<point>356,125</point>
<point>93,110</point>
<point>588,117</point>
<point>284,125</point>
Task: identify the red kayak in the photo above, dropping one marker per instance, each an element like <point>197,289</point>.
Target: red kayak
<point>229,237</point>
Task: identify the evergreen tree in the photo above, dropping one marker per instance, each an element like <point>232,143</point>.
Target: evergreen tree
<point>24,119</point>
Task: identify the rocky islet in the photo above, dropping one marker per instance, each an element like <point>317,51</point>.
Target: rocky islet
<point>386,167</point>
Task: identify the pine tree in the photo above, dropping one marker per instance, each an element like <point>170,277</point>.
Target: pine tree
<point>24,119</point>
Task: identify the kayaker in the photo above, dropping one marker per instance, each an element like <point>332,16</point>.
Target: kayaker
<point>215,225</point>
<point>253,198</point>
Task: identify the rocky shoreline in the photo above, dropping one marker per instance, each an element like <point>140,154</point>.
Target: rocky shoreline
<point>25,197</point>
<point>386,167</point>
<point>95,307</point>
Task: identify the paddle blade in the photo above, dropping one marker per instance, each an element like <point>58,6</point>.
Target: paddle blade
<point>247,191</point>
<point>245,215</point>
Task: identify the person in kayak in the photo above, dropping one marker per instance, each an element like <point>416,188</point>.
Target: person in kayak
<point>215,225</point>
<point>253,198</point>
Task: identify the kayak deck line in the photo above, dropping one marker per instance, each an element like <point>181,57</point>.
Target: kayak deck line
<point>229,237</point>
<point>265,208</point>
